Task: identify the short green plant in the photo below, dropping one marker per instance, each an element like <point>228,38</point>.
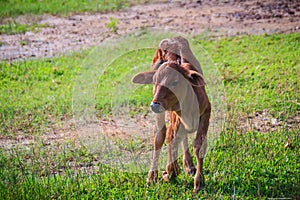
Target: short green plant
<point>112,25</point>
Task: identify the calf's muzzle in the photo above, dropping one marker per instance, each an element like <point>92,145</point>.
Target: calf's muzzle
<point>156,107</point>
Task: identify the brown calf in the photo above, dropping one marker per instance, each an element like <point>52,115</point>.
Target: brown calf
<point>179,88</point>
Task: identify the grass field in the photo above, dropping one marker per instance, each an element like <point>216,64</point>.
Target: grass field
<point>259,73</point>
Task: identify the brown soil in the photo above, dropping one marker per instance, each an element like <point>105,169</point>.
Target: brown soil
<point>264,121</point>
<point>215,18</point>
<point>54,134</point>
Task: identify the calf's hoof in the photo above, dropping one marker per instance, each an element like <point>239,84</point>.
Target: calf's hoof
<point>165,176</point>
<point>198,184</point>
<point>173,170</point>
<point>152,177</point>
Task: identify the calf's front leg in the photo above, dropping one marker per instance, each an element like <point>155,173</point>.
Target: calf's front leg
<point>187,158</point>
<point>159,138</point>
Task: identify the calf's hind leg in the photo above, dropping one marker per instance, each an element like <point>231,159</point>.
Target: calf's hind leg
<point>172,168</point>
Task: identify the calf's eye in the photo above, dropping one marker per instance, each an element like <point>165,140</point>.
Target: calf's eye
<point>174,83</point>
<point>159,63</point>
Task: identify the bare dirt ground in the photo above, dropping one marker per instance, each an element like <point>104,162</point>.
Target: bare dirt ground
<point>215,18</point>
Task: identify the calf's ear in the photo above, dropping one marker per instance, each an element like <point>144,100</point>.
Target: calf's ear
<point>143,78</point>
<point>157,58</point>
<point>196,78</point>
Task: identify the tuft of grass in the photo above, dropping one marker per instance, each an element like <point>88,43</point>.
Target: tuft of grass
<point>112,25</point>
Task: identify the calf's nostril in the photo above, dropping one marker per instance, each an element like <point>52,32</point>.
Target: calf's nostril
<point>153,104</point>
<point>156,107</point>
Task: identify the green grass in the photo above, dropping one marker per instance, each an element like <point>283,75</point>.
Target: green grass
<point>108,89</point>
<point>11,8</point>
<point>35,93</point>
<point>17,7</point>
<point>270,67</point>
<point>242,165</point>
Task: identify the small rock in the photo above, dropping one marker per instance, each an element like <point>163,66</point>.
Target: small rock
<point>274,121</point>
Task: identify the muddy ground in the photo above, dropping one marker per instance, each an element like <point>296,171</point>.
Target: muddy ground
<point>215,18</point>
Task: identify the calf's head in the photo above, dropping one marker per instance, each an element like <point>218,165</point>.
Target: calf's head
<point>171,83</point>
<point>169,50</point>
